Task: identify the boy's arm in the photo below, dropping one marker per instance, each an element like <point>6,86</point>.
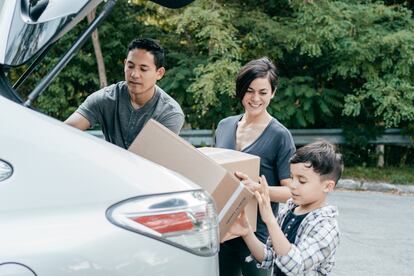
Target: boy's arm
<point>263,254</point>
<point>281,244</point>
<point>241,227</point>
<point>316,248</point>
<point>255,246</point>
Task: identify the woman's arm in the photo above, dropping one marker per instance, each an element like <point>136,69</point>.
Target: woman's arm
<point>276,193</point>
<point>279,193</point>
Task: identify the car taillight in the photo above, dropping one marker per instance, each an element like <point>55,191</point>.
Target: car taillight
<point>187,219</point>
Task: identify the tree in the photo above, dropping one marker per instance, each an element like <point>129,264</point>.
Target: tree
<point>337,59</point>
<point>98,52</point>
<point>341,63</point>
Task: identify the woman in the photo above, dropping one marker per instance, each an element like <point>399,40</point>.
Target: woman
<point>256,132</point>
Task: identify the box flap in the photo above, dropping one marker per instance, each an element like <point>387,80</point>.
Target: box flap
<point>160,145</point>
<point>169,150</point>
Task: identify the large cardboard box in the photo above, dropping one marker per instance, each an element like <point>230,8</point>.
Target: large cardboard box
<point>158,144</point>
<point>233,161</point>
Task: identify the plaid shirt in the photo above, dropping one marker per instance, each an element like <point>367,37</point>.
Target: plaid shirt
<point>315,244</point>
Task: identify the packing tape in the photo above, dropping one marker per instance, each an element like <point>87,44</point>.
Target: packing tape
<point>231,200</point>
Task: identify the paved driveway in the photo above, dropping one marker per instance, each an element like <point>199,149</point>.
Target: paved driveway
<point>377,234</point>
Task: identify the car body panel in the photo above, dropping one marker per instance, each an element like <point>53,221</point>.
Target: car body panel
<point>58,183</point>
<point>46,149</point>
<point>87,244</point>
<point>52,208</point>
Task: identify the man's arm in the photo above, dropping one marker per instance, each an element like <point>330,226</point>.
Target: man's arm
<point>78,121</point>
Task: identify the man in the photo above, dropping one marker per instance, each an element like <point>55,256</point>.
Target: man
<point>122,109</point>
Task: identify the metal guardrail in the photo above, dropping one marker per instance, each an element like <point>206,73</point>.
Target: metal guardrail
<point>205,137</point>
<point>196,137</point>
<point>336,136</point>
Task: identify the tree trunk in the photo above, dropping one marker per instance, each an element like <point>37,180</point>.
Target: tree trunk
<point>380,152</point>
<point>98,52</point>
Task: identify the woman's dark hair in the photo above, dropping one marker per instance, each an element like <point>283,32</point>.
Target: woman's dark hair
<point>151,46</point>
<point>257,68</point>
<point>322,157</point>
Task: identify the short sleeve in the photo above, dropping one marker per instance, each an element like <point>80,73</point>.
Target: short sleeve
<point>174,122</point>
<point>285,152</point>
<point>90,108</point>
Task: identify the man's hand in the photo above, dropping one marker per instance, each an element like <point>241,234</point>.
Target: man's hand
<point>262,196</point>
<point>250,184</point>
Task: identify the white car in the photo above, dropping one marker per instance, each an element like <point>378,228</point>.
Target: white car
<point>73,204</point>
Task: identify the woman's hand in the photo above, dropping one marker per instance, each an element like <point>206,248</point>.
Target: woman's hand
<point>262,197</point>
<point>250,184</point>
<point>241,227</point>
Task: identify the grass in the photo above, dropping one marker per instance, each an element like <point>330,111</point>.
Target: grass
<point>393,175</point>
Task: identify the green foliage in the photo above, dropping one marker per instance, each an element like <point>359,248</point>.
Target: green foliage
<point>392,100</point>
<point>345,64</point>
<point>300,102</point>
<point>80,77</point>
<point>203,58</point>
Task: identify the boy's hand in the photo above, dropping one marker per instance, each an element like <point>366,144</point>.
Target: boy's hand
<point>250,184</point>
<point>241,227</point>
<point>262,196</point>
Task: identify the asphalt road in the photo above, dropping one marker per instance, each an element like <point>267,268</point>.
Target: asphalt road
<point>377,234</point>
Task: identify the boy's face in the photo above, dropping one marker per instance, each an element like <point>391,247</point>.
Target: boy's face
<point>307,187</point>
<point>141,74</point>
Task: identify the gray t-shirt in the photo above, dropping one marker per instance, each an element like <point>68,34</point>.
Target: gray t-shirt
<point>111,108</point>
<point>274,146</point>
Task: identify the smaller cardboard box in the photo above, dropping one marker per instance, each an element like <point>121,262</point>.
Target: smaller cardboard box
<point>234,161</point>
<point>160,145</point>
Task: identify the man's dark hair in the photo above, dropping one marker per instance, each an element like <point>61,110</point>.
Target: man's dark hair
<point>151,46</point>
<point>258,68</point>
<point>322,157</point>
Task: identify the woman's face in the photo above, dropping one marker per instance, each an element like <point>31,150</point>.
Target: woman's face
<point>257,97</point>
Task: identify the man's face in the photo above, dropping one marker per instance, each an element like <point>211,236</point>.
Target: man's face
<point>141,73</point>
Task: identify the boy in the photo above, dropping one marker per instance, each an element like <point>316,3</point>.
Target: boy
<point>304,239</point>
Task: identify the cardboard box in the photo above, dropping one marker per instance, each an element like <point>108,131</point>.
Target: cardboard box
<point>160,145</point>
<point>233,161</point>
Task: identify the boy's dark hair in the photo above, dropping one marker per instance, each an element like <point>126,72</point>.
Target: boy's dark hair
<point>322,157</point>
<point>151,46</point>
<point>258,68</point>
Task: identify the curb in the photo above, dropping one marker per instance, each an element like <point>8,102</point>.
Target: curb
<point>350,184</point>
